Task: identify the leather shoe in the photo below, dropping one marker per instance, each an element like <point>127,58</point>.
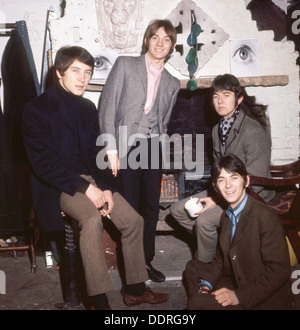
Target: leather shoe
<point>154,274</point>
<point>149,297</point>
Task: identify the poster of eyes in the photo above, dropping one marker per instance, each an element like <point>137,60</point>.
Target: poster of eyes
<point>243,57</point>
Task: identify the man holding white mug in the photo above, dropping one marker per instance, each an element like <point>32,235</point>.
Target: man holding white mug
<point>252,268</point>
<point>237,133</point>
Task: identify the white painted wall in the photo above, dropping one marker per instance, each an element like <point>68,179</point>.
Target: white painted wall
<point>34,12</point>
<point>275,58</point>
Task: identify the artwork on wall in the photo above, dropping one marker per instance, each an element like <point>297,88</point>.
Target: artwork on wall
<point>120,23</point>
<point>104,60</point>
<point>209,39</point>
<point>243,57</point>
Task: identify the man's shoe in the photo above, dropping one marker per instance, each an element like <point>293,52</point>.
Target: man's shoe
<point>148,297</point>
<point>154,274</point>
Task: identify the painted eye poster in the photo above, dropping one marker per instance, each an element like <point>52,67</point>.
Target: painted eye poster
<point>243,57</point>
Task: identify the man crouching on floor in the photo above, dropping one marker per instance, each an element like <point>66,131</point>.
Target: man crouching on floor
<point>251,269</point>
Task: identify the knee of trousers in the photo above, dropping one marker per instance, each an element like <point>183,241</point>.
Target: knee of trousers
<point>135,225</point>
<point>197,302</point>
<point>177,209</point>
<point>138,222</point>
<point>205,224</point>
<point>93,223</point>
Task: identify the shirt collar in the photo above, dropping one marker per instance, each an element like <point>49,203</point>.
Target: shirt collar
<point>155,70</point>
<point>239,208</point>
<point>232,118</point>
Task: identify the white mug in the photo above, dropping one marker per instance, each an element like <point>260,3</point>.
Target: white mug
<point>192,207</point>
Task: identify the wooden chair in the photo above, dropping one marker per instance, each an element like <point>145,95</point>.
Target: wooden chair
<point>286,182</point>
<point>22,177</point>
<point>30,246</point>
<point>73,286</point>
<point>70,286</point>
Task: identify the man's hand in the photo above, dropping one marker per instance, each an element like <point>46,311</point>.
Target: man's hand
<point>208,203</point>
<point>114,163</point>
<point>96,195</point>
<point>205,289</point>
<point>226,297</point>
<point>110,203</point>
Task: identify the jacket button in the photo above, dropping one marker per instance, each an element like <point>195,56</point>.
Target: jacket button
<point>234,257</point>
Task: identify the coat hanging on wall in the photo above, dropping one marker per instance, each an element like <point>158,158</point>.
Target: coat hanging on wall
<point>10,216</point>
<point>20,86</point>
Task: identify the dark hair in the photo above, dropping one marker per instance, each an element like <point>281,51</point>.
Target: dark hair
<point>231,164</point>
<point>151,30</point>
<point>66,55</point>
<point>227,82</point>
<point>249,105</point>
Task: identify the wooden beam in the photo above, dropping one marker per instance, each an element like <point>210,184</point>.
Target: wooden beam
<point>205,82</point>
<point>266,81</point>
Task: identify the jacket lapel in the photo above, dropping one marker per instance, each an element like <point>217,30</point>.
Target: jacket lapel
<point>225,234</point>
<point>142,71</point>
<point>61,109</point>
<point>67,119</point>
<point>243,223</point>
<point>235,129</point>
<point>239,232</point>
<point>225,243</point>
<point>163,85</point>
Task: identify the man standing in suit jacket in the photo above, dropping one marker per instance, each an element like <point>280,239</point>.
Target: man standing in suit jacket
<point>238,132</point>
<point>252,269</point>
<point>138,98</point>
<point>60,129</point>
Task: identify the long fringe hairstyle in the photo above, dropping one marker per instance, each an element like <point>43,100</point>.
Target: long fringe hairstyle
<point>249,105</point>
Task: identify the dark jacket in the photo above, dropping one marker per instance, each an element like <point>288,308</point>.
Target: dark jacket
<point>60,132</point>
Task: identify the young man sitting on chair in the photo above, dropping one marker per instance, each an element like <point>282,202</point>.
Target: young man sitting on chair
<point>60,129</point>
